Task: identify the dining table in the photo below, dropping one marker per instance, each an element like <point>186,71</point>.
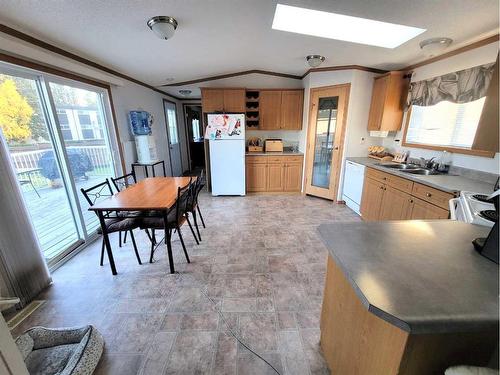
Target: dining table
<point>150,194</point>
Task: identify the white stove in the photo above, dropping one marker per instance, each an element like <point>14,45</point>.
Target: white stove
<point>473,208</point>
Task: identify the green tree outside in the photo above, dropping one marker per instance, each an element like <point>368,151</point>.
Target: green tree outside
<point>15,112</point>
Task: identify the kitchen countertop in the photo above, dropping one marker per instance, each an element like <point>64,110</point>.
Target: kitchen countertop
<point>445,182</point>
<point>421,276</point>
<point>286,153</point>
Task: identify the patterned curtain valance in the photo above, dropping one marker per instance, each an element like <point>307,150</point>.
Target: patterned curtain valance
<point>459,87</point>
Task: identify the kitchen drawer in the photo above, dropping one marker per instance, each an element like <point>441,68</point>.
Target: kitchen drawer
<point>431,195</point>
<point>377,175</point>
<point>256,159</point>
<point>399,183</point>
<point>293,159</point>
<point>275,159</point>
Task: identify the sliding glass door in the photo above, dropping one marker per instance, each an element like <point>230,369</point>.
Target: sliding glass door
<point>58,138</point>
<point>82,122</point>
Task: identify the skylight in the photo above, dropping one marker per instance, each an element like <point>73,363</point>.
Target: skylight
<point>337,26</point>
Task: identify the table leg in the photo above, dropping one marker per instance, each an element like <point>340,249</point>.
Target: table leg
<point>106,242</point>
<point>146,171</point>
<point>153,170</point>
<point>164,170</point>
<point>168,237</point>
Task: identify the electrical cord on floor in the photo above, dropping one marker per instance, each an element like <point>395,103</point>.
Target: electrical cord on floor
<point>235,335</point>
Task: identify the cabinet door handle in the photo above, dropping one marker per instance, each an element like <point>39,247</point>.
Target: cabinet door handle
<point>411,200</point>
<point>428,195</point>
<point>384,178</point>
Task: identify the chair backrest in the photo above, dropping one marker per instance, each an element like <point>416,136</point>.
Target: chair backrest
<point>96,192</point>
<point>183,194</point>
<point>124,181</point>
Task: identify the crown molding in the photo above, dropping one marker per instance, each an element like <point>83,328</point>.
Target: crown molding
<point>344,67</point>
<point>50,47</point>
<point>468,47</point>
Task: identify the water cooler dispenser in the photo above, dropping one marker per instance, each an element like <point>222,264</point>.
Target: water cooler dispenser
<point>140,124</point>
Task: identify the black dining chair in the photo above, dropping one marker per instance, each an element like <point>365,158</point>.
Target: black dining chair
<point>176,217</point>
<point>114,223</point>
<point>193,206</point>
<point>124,181</point>
<point>120,184</point>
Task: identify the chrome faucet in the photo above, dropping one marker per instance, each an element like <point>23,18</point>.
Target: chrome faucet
<point>427,163</point>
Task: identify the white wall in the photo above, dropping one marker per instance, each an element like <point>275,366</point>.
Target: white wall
<point>135,97</point>
<point>357,112</point>
<point>482,55</point>
<point>127,96</point>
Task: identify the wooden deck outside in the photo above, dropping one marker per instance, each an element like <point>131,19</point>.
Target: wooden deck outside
<point>52,218</point>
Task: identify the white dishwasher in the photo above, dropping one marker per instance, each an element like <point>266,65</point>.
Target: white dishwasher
<point>354,177</point>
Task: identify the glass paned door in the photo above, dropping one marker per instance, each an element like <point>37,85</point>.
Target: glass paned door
<point>30,141</point>
<point>325,140</point>
<point>84,130</point>
<point>326,122</point>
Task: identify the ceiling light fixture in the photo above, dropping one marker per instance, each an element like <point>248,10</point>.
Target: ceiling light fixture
<point>341,27</point>
<point>435,46</point>
<point>163,26</point>
<point>185,92</point>
<point>315,60</point>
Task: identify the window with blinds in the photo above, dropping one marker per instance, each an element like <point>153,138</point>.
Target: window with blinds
<point>445,124</point>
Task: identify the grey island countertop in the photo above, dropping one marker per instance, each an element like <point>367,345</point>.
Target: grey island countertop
<point>421,276</point>
<point>445,182</point>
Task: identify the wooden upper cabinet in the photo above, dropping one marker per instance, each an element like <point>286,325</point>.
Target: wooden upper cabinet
<point>269,109</point>
<point>223,100</point>
<point>292,102</point>
<point>212,100</point>
<point>234,100</point>
<point>487,132</point>
<point>388,97</point>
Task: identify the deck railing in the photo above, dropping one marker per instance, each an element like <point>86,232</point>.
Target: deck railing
<point>98,155</point>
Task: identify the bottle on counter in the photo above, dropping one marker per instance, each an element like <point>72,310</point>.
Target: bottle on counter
<point>444,162</point>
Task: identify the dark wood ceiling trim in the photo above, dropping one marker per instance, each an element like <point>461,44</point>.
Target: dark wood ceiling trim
<point>235,74</point>
<point>40,43</point>
<point>35,65</point>
<point>344,67</point>
<point>479,43</point>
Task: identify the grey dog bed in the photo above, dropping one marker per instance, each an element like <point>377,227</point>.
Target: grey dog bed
<point>61,351</point>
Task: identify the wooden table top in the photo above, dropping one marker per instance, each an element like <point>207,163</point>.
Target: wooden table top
<point>155,193</point>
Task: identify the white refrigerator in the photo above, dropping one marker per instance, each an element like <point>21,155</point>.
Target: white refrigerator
<point>226,135</point>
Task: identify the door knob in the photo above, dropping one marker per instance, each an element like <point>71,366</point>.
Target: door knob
<point>336,148</point>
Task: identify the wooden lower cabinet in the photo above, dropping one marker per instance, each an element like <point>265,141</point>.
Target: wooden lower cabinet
<point>275,177</point>
<point>293,177</point>
<point>396,204</point>
<point>386,197</point>
<point>421,210</point>
<point>283,173</point>
<point>256,177</point>
<point>371,200</point>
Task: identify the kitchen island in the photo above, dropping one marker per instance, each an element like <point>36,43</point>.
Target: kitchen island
<point>407,297</point>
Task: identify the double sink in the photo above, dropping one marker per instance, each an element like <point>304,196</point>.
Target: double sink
<point>411,169</point>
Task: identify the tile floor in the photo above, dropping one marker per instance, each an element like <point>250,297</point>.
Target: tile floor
<point>260,261</point>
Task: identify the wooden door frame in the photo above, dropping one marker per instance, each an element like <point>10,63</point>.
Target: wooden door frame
<point>309,159</point>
